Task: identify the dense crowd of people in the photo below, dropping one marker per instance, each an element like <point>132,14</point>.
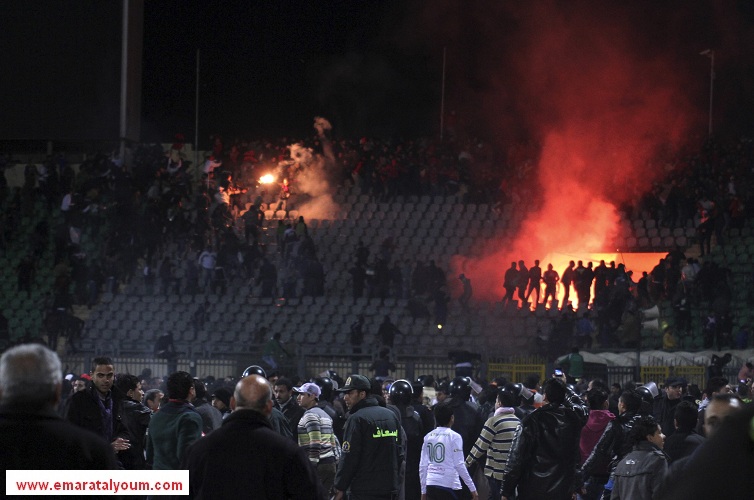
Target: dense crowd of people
<point>179,228</point>
<point>271,436</point>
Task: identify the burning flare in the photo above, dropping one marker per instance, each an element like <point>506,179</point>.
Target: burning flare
<point>267,179</point>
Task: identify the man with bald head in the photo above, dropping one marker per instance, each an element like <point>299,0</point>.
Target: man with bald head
<point>246,457</point>
<point>32,435</point>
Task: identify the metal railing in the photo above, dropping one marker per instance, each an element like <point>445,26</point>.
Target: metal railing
<point>406,367</point>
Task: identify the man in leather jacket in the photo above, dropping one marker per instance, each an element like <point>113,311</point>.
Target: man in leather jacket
<point>544,456</point>
<point>136,418</point>
<point>614,443</point>
<point>640,473</point>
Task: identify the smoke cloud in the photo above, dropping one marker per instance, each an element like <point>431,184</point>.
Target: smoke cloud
<point>608,106</point>
<point>313,193</point>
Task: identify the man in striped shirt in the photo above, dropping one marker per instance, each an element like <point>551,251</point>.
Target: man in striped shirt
<point>495,441</point>
<point>315,434</point>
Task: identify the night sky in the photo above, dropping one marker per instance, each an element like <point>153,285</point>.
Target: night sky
<point>269,67</point>
<point>375,67</point>
<point>370,67</point>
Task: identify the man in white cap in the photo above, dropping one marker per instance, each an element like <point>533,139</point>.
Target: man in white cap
<point>316,436</point>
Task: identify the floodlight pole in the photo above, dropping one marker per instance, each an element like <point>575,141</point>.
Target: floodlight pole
<point>442,95</point>
<point>711,54</point>
<point>196,118</point>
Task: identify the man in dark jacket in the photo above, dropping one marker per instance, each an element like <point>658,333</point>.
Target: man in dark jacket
<point>544,456</point>
<point>640,473</point>
<point>100,407</point>
<point>721,468</point>
<point>685,439</point>
<point>468,418</point>
<point>372,454</point>
<point>664,407</point>
<point>32,435</point>
<point>211,416</point>
<point>246,457</point>
<point>136,420</point>
<point>286,402</point>
<point>614,443</point>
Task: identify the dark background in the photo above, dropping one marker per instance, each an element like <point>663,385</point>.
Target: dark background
<point>371,68</point>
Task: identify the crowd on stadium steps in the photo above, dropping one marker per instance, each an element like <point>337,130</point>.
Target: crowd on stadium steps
<point>270,435</point>
<point>118,224</point>
<point>613,316</point>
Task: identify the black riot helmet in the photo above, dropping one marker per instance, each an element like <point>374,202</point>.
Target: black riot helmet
<point>326,386</point>
<point>426,380</point>
<point>460,388</point>
<point>647,399</point>
<point>333,375</point>
<point>515,391</point>
<point>254,370</point>
<point>401,393</point>
<point>442,387</point>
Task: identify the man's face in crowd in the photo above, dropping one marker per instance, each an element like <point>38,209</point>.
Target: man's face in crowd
<point>102,378</point>
<point>154,404</point>
<point>723,390</point>
<point>353,396</point>
<point>306,400</point>
<point>136,394</point>
<point>674,391</point>
<point>217,403</point>
<point>282,394</point>
<point>716,412</point>
<point>441,396</point>
<point>79,385</point>
<point>658,438</point>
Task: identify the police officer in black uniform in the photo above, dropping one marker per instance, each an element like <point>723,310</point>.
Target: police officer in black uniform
<point>468,418</point>
<point>401,395</point>
<point>371,457</point>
